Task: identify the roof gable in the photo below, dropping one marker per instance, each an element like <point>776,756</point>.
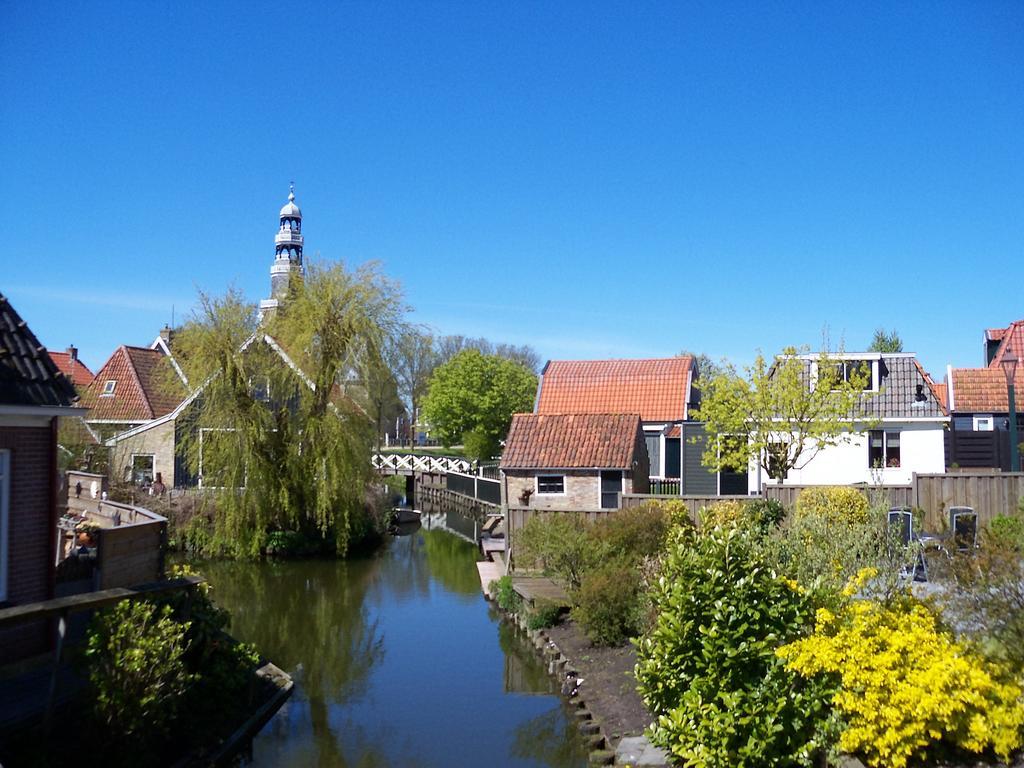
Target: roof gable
<point>656,389</point>
<point>1011,338</point>
<point>28,375</point>
<point>573,441</point>
<point>144,387</point>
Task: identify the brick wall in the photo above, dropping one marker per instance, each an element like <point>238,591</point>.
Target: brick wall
<point>158,441</point>
<point>31,535</point>
<point>582,490</point>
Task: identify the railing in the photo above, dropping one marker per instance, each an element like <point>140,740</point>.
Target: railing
<point>664,487</point>
<point>406,463</point>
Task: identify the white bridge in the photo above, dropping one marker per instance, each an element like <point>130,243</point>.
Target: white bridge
<point>410,464</point>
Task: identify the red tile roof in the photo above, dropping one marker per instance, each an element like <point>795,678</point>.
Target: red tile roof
<point>980,390</point>
<point>75,369</point>
<point>656,389</point>
<point>983,390</point>
<point>1010,338</point>
<point>571,441</point>
<point>145,387</point>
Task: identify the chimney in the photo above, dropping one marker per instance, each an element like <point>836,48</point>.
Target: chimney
<point>167,333</point>
<point>73,354</point>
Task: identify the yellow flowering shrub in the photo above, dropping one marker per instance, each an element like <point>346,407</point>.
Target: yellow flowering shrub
<point>833,503</point>
<point>724,514</point>
<point>906,684</point>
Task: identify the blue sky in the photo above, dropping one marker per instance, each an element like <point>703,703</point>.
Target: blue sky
<point>594,179</point>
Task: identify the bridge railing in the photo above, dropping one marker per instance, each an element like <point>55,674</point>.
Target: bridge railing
<point>408,462</point>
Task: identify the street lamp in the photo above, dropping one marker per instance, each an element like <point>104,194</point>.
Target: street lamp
<point>1009,363</point>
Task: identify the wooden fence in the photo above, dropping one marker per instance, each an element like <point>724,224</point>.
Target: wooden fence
<point>891,495</point>
<point>988,494</point>
<point>693,503</point>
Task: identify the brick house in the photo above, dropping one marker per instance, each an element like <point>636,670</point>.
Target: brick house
<point>573,461</point>
<point>979,404</point>
<point>135,387</point>
<point>33,395</point>
<point>663,391</point>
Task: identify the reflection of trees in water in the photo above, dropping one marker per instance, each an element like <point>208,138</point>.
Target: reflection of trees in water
<point>308,613</point>
<point>549,739</point>
<point>452,561</point>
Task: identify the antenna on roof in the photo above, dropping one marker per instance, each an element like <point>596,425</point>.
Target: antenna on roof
<point>172,315</point>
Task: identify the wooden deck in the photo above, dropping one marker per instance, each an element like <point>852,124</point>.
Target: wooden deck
<point>489,571</point>
<point>533,588</point>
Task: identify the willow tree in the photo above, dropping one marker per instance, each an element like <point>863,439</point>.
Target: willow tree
<point>781,416</point>
<point>281,423</point>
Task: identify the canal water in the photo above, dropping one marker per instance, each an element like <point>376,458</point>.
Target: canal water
<point>398,661</point>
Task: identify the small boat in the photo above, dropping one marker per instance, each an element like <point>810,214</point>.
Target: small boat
<point>401,515</point>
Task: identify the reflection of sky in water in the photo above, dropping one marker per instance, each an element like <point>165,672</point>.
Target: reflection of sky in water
<point>420,683</point>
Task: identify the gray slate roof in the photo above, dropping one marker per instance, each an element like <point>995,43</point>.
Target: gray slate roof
<point>897,396</point>
<point>899,379</point>
<point>28,376</point>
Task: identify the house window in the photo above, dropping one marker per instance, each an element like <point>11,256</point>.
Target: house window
<point>259,388</point>
<point>142,468</point>
<point>550,484</point>
<point>854,369</point>
<point>883,449</point>
<point>108,387</point>
<point>984,423</point>
<point>5,503</point>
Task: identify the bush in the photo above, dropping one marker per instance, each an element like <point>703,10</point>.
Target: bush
<point>544,614</point>
<point>766,513</point>
<point>505,596</point>
<point>1006,531</point>
<point>632,533</point>
<point>724,514</point>
<point>135,656</point>
<point>560,544</point>
<point>837,504</point>
<point>708,670</point>
<point>904,684</point>
<point>608,605</point>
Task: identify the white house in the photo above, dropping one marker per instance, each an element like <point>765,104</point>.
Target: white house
<point>903,431</point>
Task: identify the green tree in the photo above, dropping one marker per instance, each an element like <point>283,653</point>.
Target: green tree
<point>472,398</point>
<point>886,342</point>
<point>781,415</point>
<point>275,418</point>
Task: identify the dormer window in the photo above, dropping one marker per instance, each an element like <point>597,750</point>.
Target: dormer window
<point>108,387</point>
<point>846,370</point>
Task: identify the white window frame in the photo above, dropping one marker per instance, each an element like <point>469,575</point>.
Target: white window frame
<point>984,422</point>
<point>152,456</point>
<point>539,492</point>
<point>260,379</point>
<point>108,388</point>
<point>5,509</point>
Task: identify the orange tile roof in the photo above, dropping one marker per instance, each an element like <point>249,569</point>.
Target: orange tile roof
<point>657,389</point>
<point>573,441</point>
<point>1010,338</point>
<point>145,387</point>
<point>984,389</point>
<point>75,369</point>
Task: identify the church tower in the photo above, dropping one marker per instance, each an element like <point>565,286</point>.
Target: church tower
<point>287,256</point>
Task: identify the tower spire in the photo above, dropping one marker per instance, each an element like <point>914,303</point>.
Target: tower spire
<point>287,254</point>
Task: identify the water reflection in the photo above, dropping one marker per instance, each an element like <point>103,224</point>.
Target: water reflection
<point>397,661</point>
